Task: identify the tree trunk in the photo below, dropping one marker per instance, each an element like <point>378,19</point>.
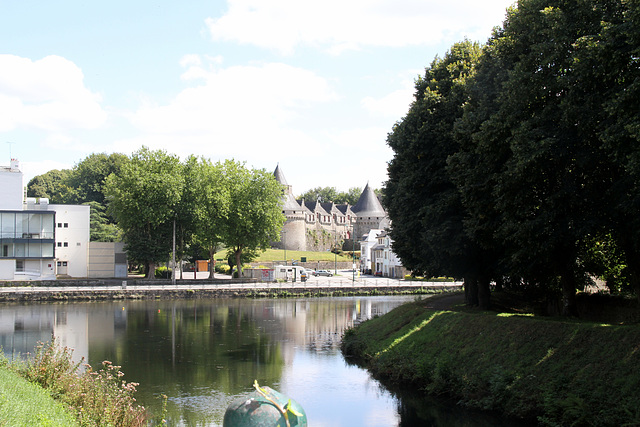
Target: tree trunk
<point>151,272</point>
<point>212,265</point>
<point>471,290</point>
<point>238,254</point>
<point>569,294</point>
<point>484,293</point>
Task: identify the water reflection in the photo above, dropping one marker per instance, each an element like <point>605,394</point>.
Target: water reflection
<point>204,353</point>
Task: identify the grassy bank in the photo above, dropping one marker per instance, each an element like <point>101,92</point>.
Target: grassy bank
<point>25,404</point>
<point>560,372</point>
<point>49,389</point>
<point>271,255</point>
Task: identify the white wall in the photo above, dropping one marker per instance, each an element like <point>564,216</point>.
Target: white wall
<point>11,187</point>
<point>75,234</point>
<point>7,269</point>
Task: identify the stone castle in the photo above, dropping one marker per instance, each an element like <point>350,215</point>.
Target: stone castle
<point>315,226</point>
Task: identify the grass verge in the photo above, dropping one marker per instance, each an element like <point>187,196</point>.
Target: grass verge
<point>25,404</point>
<point>560,372</point>
<point>94,398</point>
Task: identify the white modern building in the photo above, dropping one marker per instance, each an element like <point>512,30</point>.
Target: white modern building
<point>39,240</point>
<point>72,239</point>
<point>27,235</point>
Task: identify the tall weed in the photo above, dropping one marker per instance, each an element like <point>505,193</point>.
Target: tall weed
<point>97,398</point>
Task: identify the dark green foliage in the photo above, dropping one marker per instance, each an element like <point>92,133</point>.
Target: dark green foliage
<point>529,166</point>
<point>330,194</point>
<point>52,185</point>
<point>144,200</point>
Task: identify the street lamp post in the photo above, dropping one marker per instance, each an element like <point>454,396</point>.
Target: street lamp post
<point>284,245</point>
<point>335,249</point>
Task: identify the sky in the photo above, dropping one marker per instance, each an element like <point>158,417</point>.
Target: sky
<point>314,86</point>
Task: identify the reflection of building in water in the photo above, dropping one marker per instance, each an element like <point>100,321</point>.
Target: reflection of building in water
<point>72,325</point>
<point>317,325</point>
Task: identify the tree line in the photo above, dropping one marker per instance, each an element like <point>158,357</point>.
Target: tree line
<point>143,198</point>
<point>518,162</point>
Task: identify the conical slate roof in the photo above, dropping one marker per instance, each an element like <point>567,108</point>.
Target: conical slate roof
<point>289,202</point>
<point>280,176</point>
<point>368,204</point>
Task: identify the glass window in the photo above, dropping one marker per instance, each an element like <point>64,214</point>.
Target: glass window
<point>8,225</point>
<point>34,227</point>
<point>47,250</point>
<point>35,250</point>
<point>19,249</point>
<point>47,227</point>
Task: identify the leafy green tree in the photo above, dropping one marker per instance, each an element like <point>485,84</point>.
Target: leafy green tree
<point>52,185</point>
<point>101,229</point>
<point>330,194</point>
<point>613,57</point>
<point>253,217</point>
<point>210,210</point>
<point>87,178</point>
<point>321,194</point>
<point>350,196</point>
<point>420,197</point>
<point>554,172</point>
<point>144,199</point>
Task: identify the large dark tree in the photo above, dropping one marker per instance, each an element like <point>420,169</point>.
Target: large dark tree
<point>532,148</point>
<point>422,201</point>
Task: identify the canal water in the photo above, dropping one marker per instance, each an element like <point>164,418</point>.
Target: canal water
<point>203,354</point>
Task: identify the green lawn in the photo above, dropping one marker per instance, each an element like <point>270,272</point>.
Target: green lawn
<point>271,255</point>
<point>25,404</point>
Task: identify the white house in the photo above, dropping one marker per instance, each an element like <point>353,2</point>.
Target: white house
<point>386,262</point>
<point>368,241</point>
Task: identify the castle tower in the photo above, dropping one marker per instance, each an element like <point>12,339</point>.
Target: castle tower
<point>293,234</point>
<point>369,214</point>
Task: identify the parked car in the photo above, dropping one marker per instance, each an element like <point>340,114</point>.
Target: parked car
<point>310,271</point>
<point>323,273</point>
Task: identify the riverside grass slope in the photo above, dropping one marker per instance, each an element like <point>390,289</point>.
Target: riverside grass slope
<point>558,372</point>
<point>26,404</point>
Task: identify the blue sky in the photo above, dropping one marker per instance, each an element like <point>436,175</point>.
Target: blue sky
<point>313,86</point>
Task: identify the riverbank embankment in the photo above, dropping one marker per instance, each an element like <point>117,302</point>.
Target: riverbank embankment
<point>555,371</point>
<point>107,290</point>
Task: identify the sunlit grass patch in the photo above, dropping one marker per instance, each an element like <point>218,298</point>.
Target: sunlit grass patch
<point>25,404</point>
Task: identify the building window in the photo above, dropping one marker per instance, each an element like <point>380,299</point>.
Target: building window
<point>66,244</point>
<point>59,244</point>
<point>59,225</point>
<point>66,225</point>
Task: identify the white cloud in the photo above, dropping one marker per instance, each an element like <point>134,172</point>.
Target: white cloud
<point>240,112</point>
<point>395,105</point>
<point>47,94</point>
<point>33,169</point>
<point>338,25</point>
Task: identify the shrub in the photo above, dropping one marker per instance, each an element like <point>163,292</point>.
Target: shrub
<point>222,268</point>
<point>163,273</point>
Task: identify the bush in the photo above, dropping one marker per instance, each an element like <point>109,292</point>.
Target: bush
<point>222,268</point>
<point>163,273</point>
